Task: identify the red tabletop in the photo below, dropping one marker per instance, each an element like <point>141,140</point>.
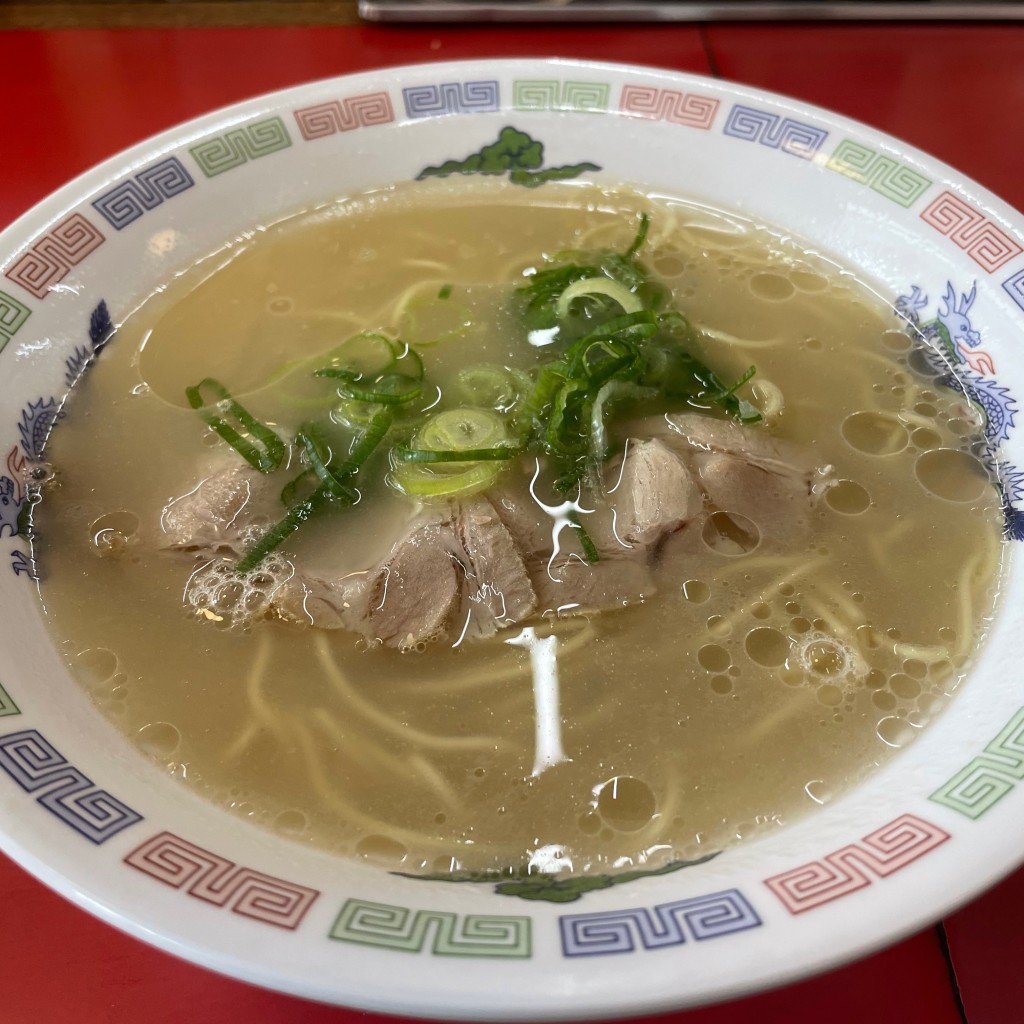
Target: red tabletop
<point>76,97</point>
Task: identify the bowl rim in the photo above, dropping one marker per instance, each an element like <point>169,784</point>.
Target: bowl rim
<point>59,203</point>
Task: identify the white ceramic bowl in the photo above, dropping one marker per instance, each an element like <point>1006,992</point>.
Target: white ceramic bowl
<point>101,824</point>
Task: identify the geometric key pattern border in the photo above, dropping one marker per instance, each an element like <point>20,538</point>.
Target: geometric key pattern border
<point>49,259</point>
<point>987,778</point>
<point>129,199</point>
<point>667,924</point>
<point>969,229</point>
<point>440,931</point>
<point>7,705</point>
<point>39,768</point>
<point>885,175</point>
<point>856,866</point>
<point>238,146</point>
<point>217,880</point>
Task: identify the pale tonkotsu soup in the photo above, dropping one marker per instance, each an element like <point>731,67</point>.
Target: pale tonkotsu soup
<point>759,671</point>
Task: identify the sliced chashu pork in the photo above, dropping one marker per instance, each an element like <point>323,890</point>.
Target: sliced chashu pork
<point>465,569</point>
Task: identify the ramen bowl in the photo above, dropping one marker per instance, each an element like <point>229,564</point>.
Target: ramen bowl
<point>95,819</point>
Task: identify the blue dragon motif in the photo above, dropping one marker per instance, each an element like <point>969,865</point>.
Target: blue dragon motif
<point>953,350</point>
<point>37,420</point>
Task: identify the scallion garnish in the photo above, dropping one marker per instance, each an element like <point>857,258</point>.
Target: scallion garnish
<point>262,448</point>
<point>611,341</point>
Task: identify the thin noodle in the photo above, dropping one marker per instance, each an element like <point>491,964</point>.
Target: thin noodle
<point>385,721</point>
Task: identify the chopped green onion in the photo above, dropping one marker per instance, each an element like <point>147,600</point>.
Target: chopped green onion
<point>387,389</point>
<point>588,286</point>
<point>492,385</point>
<point>457,430</point>
<point>367,354</point>
<point>641,235</point>
<point>445,292</point>
<point>321,498</point>
<point>589,548</point>
<point>422,482</point>
<point>425,456</point>
<point>262,449</point>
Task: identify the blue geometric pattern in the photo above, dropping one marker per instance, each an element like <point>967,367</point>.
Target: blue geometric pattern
<point>451,98</point>
<point>1014,287</point>
<point>668,924</point>
<point>794,137</point>
<point>130,199</point>
<point>38,767</point>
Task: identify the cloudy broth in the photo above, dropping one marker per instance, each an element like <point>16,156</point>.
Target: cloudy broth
<point>754,686</point>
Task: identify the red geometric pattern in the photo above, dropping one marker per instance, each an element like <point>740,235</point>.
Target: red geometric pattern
<point>50,259</point>
<point>690,109</point>
<point>183,865</point>
<point>892,847</point>
<point>986,244</point>
<point>365,111</point>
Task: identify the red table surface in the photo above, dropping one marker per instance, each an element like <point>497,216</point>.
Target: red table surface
<point>76,97</point>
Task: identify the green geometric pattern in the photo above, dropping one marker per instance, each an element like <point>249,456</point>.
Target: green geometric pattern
<point>448,934</point>
<point>551,94</point>
<point>12,315</point>
<point>7,705</point>
<point>990,776</point>
<point>236,147</point>
<point>885,175</point>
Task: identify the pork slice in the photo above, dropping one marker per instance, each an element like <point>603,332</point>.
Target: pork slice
<point>653,493</point>
<point>213,517</point>
<point>711,434</point>
<point>497,590</point>
<point>326,604</point>
<point>569,584</point>
<point>412,598</point>
<point>777,501</point>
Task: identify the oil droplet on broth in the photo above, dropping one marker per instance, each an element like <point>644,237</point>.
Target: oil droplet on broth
<point>951,474</point>
<point>381,848</point>
<point>696,591</point>
<point>874,433</point>
<point>160,739</point>
<point>767,646</point>
<point>95,666</point>
<point>714,658</point>
<point>730,533</point>
<point>626,803</point>
<point>848,498</point>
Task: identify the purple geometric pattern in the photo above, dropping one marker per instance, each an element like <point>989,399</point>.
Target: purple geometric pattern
<point>130,199</point>
<point>344,115</point>
<point>451,98</point>
<point>667,924</point>
<point>794,137</point>
<point>50,259</point>
<point>38,767</point>
<point>1014,287</point>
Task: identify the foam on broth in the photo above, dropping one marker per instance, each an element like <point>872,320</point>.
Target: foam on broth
<point>757,686</point>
